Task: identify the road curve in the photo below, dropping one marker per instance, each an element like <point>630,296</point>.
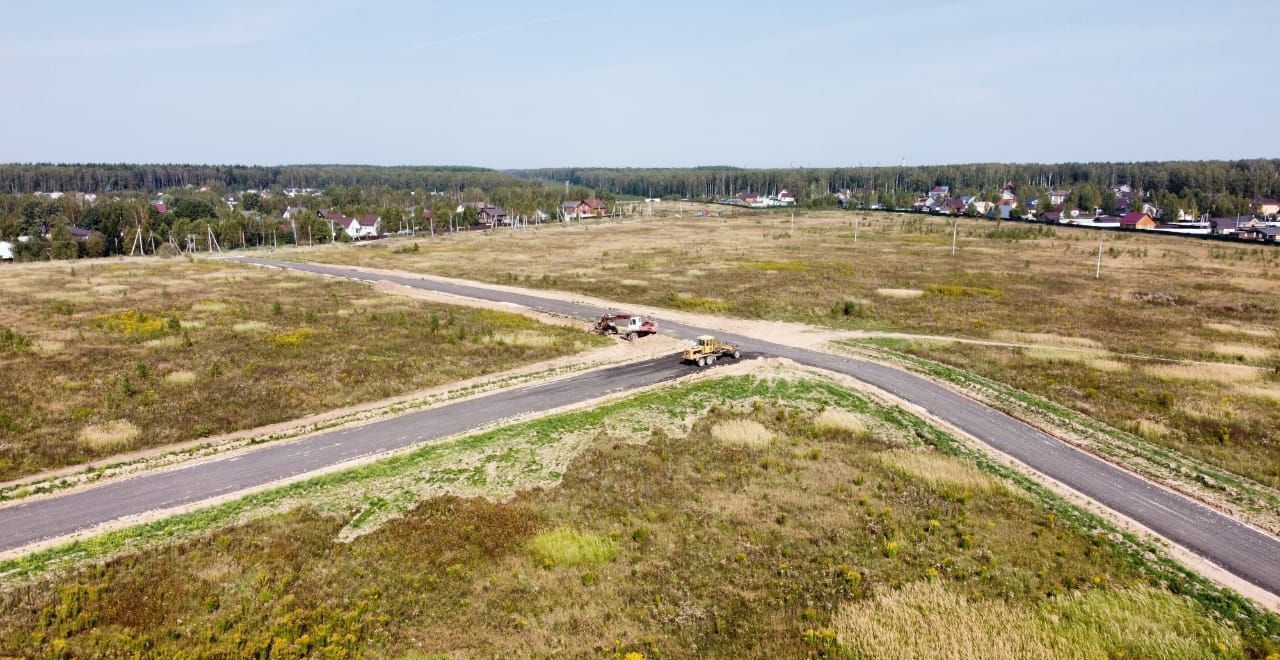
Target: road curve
<point>1238,548</point>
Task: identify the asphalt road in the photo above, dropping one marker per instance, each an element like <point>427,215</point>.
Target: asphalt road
<point>1240,549</point>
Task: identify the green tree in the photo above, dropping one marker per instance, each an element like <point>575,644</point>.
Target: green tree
<point>1108,203</point>
<point>95,246</point>
<point>470,216</point>
<point>62,245</point>
<point>194,209</point>
<point>1019,211</point>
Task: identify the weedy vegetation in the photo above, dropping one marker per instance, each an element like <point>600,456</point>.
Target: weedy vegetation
<point>127,356</point>
<point>668,543</point>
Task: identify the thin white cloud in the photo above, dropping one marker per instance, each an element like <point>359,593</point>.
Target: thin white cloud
<point>495,30</point>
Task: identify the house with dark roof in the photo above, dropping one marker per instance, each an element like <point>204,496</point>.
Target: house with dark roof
<point>493,215</point>
<point>364,228</point>
<point>1265,206</point>
<point>939,193</point>
<point>1266,233</point>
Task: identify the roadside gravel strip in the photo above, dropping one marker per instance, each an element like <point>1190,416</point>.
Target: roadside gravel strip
<point>1241,550</point>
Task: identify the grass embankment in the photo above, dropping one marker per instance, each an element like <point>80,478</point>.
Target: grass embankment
<point>667,535</point>
<point>106,358</point>
<point>1222,415</point>
<point>1159,296</point>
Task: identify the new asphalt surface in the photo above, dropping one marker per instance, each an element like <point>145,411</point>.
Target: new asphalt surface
<point>1242,550</point>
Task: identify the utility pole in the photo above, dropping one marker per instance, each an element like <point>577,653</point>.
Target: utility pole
<point>1097,273</point>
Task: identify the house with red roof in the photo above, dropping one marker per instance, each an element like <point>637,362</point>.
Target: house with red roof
<point>584,208</point>
<point>1137,220</point>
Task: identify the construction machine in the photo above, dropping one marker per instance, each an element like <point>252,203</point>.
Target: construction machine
<point>628,326</point>
<point>707,349</point>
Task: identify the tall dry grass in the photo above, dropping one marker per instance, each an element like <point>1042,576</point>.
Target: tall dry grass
<point>742,432</point>
<point>941,471</point>
<point>932,620</point>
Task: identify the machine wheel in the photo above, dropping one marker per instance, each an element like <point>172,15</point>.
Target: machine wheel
<point>702,362</point>
<point>711,360</point>
<point>631,336</point>
<point>737,354</point>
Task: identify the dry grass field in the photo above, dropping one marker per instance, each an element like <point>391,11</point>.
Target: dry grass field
<point>108,357</point>
<point>841,534</point>
<point>1158,296</point>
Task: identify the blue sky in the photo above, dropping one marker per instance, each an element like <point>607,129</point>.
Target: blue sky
<point>651,83</point>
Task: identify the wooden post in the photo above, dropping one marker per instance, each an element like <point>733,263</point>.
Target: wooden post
<point>1097,273</point>
<point>955,226</point>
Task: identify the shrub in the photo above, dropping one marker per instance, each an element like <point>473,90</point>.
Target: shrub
<point>13,341</point>
<point>850,308</point>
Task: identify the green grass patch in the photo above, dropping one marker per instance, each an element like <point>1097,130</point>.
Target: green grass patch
<point>564,546</point>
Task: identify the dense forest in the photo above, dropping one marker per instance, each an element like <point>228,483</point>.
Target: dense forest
<point>1243,178</point>
<point>98,178</point>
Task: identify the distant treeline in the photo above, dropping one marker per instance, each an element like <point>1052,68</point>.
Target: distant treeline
<point>1243,178</point>
<point>1194,179</point>
<point>97,178</point>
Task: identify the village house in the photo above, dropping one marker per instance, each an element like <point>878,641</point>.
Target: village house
<point>1057,197</point>
<point>939,193</point>
<point>576,209</point>
<point>1259,233</point>
<point>6,251</point>
<point>493,215</point>
<point>1137,220</point>
<point>1265,206</point>
<point>367,227</point>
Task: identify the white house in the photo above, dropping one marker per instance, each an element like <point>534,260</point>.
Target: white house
<point>786,197</point>
<point>6,251</point>
<point>369,226</point>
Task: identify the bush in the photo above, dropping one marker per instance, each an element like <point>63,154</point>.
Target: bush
<point>13,341</point>
<point>850,309</point>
